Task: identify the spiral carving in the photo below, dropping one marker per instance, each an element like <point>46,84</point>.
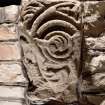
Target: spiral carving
<point>59,21</point>
<point>54,30</point>
<point>58,46</point>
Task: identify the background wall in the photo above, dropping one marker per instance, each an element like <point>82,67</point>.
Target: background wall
<point>12,80</point>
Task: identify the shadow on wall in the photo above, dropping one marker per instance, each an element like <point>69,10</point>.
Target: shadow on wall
<point>9,2</point>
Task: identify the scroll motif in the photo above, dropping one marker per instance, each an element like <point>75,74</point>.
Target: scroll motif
<point>51,40</point>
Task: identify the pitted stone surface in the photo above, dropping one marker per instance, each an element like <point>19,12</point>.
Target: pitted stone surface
<point>94,51</point>
<point>94,42</point>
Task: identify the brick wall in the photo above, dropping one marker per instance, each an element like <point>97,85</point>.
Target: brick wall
<point>13,82</point>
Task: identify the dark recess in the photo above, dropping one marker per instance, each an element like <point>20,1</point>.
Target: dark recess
<point>9,2</point>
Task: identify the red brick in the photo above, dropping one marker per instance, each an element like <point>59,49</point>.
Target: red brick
<point>9,51</point>
<point>6,34</point>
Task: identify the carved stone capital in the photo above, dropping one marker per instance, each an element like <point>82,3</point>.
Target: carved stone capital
<point>51,39</point>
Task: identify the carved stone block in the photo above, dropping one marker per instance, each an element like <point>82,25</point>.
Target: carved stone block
<point>50,35</point>
<point>63,45</point>
<point>13,92</point>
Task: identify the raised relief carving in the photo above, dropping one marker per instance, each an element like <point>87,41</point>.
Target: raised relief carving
<point>50,35</point>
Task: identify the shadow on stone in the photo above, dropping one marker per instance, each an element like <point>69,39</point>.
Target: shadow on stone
<point>9,2</point>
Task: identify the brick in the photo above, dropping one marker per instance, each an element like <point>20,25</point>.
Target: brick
<point>12,92</point>
<point>9,51</point>
<point>10,26</point>
<point>6,34</point>
<point>11,73</point>
<point>10,103</point>
<point>11,13</point>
